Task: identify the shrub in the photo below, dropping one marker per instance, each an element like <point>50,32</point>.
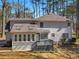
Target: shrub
<point>8,44</point>
<point>72,41</point>
<point>62,41</point>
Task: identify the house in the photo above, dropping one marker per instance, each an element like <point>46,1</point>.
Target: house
<point>25,32</point>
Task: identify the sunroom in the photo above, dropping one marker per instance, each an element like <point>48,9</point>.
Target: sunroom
<point>29,35</point>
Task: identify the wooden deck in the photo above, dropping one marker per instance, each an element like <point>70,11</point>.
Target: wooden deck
<point>46,45</point>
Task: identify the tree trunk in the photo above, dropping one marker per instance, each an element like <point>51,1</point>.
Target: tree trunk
<point>18,15</point>
<point>53,7</point>
<point>24,9</point>
<point>77,24</point>
<point>39,10</point>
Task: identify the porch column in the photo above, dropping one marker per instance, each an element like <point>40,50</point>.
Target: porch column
<point>30,37</point>
<point>37,37</point>
<point>13,37</point>
<point>22,37</point>
<point>26,37</point>
<point>70,33</point>
<point>17,37</point>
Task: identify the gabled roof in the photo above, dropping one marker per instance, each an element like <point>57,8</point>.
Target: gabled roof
<point>25,28</point>
<point>49,17</point>
<point>52,17</point>
<point>14,19</point>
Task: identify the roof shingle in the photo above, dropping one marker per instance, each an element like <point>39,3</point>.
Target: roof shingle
<point>52,17</point>
<point>26,28</point>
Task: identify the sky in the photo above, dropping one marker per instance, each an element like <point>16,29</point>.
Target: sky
<point>28,3</point>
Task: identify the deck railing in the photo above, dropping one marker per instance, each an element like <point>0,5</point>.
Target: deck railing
<point>45,45</point>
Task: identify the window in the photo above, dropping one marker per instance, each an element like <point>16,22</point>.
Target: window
<point>33,23</point>
<point>19,37</point>
<point>33,37</point>
<point>24,37</point>
<point>44,36</point>
<point>65,35</point>
<point>68,24</point>
<point>41,24</point>
<point>53,35</point>
<point>15,37</point>
<point>28,37</point>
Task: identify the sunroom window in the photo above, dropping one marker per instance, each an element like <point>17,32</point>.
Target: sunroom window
<point>24,37</point>
<point>33,37</point>
<point>19,37</point>
<point>28,37</point>
<point>44,36</point>
<point>65,35</point>
<point>15,37</point>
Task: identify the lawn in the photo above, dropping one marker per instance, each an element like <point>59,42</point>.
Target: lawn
<point>59,54</point>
